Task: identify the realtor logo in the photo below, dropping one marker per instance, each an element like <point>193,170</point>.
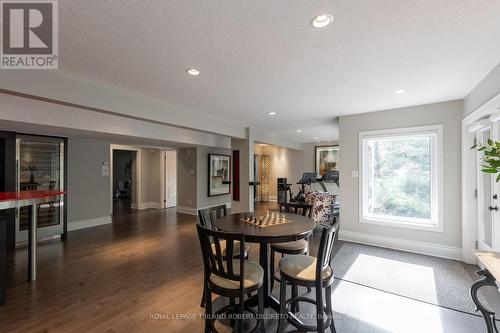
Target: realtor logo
<point>29,35</point>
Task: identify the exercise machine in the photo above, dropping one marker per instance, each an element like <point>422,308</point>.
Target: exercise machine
<point>329,177</point>
<point>307,179</point>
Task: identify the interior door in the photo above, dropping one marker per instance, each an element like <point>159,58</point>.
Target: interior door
<point>487,197</point>
<point>170,178</point>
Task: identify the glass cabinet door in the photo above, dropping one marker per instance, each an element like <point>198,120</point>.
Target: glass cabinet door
<point>40,167</point>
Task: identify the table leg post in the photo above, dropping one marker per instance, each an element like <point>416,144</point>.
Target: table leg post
<point>264,262</point>
<point>32,244</point>
<point>3,251</point>
<point>489,317</point>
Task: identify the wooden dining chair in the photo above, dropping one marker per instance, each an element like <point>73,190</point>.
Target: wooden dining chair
<point>307,271</point>
<point>296,208</point>
<point>233,278</point>
<point>208,215</point>
<point>295,247</point>
<point>207,218</point>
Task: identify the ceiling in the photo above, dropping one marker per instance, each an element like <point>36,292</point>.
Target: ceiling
<point>263,56</point>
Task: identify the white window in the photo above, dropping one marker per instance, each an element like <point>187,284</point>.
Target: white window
<point>401,177</point>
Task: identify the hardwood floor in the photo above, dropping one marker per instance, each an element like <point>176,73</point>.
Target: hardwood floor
<point>143,273</point>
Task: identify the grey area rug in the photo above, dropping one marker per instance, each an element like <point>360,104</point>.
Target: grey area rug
<point>434,280</point>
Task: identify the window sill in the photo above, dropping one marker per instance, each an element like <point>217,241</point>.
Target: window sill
<point>402,224</point>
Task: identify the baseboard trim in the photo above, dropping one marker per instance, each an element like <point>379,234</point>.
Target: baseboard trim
<point>133,206</point>
<point>84,224</point>
<point>150,205</point>
<point>187,210</point>
<point>442,251</point>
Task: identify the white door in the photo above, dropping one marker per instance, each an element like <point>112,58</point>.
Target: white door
<point>487,197</point>
<point>170,178</point>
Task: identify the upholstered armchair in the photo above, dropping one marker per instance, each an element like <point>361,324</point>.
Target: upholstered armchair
<point>323,204</point>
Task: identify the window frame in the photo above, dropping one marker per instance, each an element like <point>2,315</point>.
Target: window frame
<point>436,223</point>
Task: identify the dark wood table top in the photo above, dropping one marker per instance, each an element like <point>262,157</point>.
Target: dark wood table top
<point>300,227</point>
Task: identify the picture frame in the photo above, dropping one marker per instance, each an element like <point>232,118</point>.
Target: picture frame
<point>219,174</point>
<point>326,159</point>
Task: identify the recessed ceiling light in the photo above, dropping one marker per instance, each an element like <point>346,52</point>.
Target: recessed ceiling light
<point>315,138</point>
<point>299,131</point>
<point>322,20</point>
<point>400,91</point>
<point>272,113</point>
<point>193,71</point>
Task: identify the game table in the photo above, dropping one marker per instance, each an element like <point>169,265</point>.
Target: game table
<point>9,200</point>
<point>297,227</point>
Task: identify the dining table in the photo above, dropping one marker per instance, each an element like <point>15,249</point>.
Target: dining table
<point>271,231</point>
<point>9,200</point>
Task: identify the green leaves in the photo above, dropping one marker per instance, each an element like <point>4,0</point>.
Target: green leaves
<point>491,159</point>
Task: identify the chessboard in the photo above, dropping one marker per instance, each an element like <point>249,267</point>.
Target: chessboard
<point>266,221</point>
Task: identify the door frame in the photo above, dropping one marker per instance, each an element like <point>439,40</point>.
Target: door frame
<point>137,171</point>
<point>163,181</point>
<point>469,178</point>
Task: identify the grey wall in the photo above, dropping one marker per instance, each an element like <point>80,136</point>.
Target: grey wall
<point>186,178</point>
<point>88,191</point>
<point>203,200</point>
<point>488,88</point>
<point>150,176</point>
<point>448,114</point>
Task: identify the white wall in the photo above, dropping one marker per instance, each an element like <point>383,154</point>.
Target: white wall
<point>448,114</point>
<point>61,119</point>
<point>71,89</point>
<point>488,88</point>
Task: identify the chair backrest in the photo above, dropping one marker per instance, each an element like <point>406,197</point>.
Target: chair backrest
<point>325,249</point>
<point>296,208</point>
<point>208,216</point>
<point>214,257</point>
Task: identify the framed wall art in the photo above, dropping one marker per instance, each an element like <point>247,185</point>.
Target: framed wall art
<point>219,174</point>
<point>327,159</point>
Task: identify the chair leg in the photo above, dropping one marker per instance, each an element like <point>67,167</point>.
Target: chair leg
<point>295,293</point>
<point>329,307</point>
<point>261,309</point>
<point>309,289</point>
<point>208,311</point>
<point>281,325</point>
<point>203,296</point>
<point>241,311</point>
<point>272,269</point>
<point>319,310</point>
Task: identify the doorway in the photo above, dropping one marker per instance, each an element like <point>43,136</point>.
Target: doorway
<point>169,179</point>
<point>125,183</point>
<point>488,234</point>
<point>480,190</point>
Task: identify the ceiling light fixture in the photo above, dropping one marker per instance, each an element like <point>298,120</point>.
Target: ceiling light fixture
<point>299,131</point>
<point>272,113</point>
<point>193,71</point>
<point>322,20</point>
<point>400,91</point>
<point>315,138</point>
